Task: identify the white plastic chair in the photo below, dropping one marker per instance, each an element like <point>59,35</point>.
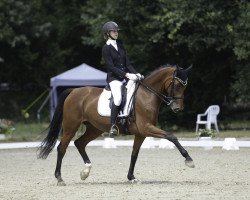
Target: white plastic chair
<point>211,114</point>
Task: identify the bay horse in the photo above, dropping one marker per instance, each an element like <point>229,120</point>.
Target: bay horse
<point>79,106</point>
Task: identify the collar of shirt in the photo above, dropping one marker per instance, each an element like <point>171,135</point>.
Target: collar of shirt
<point>113,43</point>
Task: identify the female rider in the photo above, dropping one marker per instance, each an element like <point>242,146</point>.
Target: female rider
<point>119,69</point>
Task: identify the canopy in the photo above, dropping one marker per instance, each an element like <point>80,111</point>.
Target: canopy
<point>82,75</point>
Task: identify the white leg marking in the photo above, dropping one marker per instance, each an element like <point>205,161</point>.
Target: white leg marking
<point>134,181</point>
<point>85,172</point>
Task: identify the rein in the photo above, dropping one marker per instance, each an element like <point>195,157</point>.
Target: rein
<point>166,99</point>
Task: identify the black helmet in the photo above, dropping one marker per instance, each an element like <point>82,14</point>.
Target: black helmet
<point>110,26</point>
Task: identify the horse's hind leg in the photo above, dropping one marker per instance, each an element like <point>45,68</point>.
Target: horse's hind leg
<point>136,148</point>
<point>68,134</point>
<point>81,143</point>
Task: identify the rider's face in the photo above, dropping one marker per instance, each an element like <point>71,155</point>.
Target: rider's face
<point>114,34</point>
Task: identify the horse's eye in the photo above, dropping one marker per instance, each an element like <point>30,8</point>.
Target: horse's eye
<point>178,87</point>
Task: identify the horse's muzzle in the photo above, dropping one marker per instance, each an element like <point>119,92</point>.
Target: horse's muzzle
<point>176,107</point>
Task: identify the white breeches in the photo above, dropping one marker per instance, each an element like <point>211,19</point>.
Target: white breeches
<point>116,90</point>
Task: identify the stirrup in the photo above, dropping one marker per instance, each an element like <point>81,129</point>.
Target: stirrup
<point>114,130</point>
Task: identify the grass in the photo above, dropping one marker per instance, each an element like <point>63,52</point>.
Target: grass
<point>27,132</point>
<point>37,131</point>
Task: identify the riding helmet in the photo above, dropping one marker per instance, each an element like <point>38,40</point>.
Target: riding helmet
<point>110,26</point>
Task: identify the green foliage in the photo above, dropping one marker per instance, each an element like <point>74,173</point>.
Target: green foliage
<point>29,132</point>
<point>6,127</point>
<point>181,32</point>
<point>206,133</point>
<point>39,39</point>
<point>241,31</point>
<point>241,87</point>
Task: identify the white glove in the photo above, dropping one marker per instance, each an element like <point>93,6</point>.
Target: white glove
<point>140,77</point>
<point>132,77</point>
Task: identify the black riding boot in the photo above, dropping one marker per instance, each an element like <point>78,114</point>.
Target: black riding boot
<point>114,113</point>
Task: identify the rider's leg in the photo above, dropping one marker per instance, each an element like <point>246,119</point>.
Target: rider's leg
<point>116,90</point>
<point>114,113</point>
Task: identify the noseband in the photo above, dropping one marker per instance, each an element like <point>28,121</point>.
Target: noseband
<point>167,99</point>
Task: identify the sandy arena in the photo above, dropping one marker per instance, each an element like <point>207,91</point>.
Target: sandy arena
<point>219,174</point>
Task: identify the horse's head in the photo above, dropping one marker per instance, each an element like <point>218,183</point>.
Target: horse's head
<point>176,88</point>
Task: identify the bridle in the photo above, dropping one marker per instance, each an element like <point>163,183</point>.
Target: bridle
<point>167,99</point>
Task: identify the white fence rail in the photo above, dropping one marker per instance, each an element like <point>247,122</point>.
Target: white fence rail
<point>227,144</point>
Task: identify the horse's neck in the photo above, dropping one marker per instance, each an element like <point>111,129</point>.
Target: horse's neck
<point>147,99</point>
<point>159,78</point>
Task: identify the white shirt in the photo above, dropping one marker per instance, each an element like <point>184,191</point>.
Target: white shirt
<point>113,43</point>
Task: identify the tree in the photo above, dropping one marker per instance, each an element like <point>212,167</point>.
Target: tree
<point>38,40</point>
<point>241,29</point>
<point>213,35</point>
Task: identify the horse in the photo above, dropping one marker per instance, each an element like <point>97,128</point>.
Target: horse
<point>79,106</point>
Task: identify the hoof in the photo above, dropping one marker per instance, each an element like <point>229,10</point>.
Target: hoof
<point>134,181</point>
<point>61,183</point>
<point>189,163</point>
<point>85,173</point>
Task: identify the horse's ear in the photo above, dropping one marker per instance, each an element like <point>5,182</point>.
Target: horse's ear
<point>188,69</point>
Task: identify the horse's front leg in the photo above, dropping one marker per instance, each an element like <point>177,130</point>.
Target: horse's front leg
<point>136,148</point>
<point>153,131</point>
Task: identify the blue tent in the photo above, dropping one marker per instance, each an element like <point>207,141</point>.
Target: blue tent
<point>82,75</point>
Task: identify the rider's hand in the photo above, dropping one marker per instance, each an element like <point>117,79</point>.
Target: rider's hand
<point>140,77</point>
<point>132,77</point>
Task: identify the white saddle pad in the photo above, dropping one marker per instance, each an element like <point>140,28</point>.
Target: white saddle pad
<point>104,99</point>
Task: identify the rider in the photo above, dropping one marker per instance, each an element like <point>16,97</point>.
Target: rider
<point>119,68</point>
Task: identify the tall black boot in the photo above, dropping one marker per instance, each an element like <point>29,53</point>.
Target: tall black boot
<point>114,113</point>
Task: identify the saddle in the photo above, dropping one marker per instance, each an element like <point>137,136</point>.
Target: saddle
<point>106,99</point>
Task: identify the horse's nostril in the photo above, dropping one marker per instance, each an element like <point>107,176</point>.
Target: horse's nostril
<point>176,109</point>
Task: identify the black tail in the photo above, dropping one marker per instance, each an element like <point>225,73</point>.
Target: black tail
<point>49,142</point>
